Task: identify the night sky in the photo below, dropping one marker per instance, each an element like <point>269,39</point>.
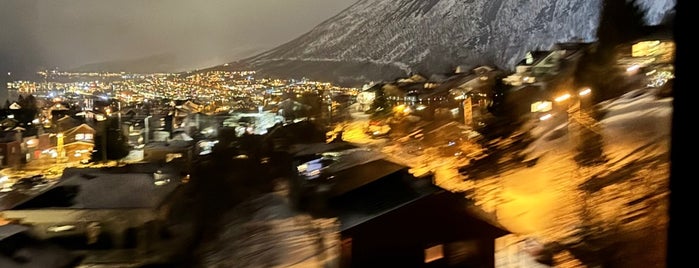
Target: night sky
<point>66,34</point>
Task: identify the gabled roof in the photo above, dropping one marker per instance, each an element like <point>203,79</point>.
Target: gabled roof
<point>15,106</point>
<point>81,126</point>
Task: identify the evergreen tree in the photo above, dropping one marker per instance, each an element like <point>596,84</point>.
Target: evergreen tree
<point>30,103</point>
<point>379,107</point>
<point>110,143</point>
<point>21,101</point>
<point>620,23</point>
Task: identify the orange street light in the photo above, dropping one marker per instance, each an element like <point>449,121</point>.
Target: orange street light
<point>562,98</point>
<point>584,92</point>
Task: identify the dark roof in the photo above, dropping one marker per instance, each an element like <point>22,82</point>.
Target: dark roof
<point>376,198</point>
<point>416,204</point>
<point>9,230</point>
<point>353,177</point>
<point>11,199</point>
<point>573,45</point>
<point>95,189</point>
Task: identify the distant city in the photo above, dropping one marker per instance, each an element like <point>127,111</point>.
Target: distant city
<point>218,90</point>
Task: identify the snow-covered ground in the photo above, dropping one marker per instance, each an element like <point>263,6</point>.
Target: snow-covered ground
<point>564,203</point>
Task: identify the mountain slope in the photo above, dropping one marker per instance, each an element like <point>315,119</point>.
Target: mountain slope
<point>383,39</point>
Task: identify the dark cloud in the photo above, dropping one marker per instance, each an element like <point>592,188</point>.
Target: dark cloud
<point>70,33</point>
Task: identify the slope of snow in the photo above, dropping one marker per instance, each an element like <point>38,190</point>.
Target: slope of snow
<point>557,199</point>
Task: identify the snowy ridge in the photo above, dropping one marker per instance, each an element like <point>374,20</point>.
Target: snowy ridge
<point>433,36</point>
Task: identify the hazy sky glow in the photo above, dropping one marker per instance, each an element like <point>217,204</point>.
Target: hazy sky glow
<point>70,33</point>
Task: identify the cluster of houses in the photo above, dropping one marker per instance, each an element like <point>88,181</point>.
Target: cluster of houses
<point>467,96</point>
<point>58,134</point>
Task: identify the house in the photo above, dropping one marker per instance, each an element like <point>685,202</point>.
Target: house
<point>407,222</point>
<point>10,150</point>
<point>541,76</point>
<point>181,110</point>
<point>9,123</point>
<point>80,133</point>
<point>472,92</point>
<point>387,216</point>
<point>657,49</point>
<point>448,98</point>
<point>541,65</point>
<point>58,111</point>
<point>316,163</point>
<point>75,143</point>
<point>523,68</point>
<point>65,123</point>
<point>109,217</point>
<point>165,152</point>
<point>32,146</point>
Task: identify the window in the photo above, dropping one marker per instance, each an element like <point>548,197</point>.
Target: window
<point>434,253</point>
<point>172,156</point>
<point>83,136</point>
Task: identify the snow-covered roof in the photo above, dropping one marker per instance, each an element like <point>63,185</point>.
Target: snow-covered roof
<point>315,148</point>
<point>101,190</point>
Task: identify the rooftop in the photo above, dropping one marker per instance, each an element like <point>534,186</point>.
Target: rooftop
<point>95,189</point>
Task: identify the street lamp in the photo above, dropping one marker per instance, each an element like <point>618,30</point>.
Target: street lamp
<point>575,106</point>
<point>59,147</point>
<point>574,109</point>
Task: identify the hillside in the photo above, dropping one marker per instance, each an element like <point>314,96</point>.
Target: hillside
<point>384,39</point>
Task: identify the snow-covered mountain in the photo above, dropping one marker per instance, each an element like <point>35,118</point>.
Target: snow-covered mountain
<point>384,39</point>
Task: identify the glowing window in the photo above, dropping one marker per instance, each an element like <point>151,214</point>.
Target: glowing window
<point>434,253</point>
